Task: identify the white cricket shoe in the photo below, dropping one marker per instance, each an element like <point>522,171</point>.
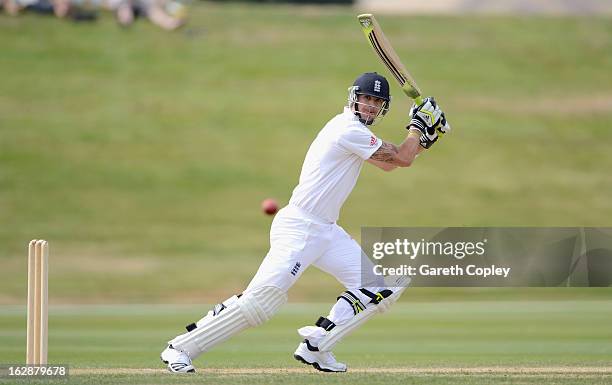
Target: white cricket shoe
<point>323,361</point>
<point>178,361</point>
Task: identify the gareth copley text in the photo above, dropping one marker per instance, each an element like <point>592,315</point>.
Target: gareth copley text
<point>426,270</point>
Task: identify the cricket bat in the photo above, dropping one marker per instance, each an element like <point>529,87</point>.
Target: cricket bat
<point>387,55</point>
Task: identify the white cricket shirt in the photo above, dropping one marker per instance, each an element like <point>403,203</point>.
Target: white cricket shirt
<point>332,165</point>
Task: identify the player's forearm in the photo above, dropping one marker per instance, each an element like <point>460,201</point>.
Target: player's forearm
<point>398,156</point>
<point>409,149</point>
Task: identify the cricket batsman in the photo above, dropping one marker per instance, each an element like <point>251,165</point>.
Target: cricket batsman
<point>305,233</point>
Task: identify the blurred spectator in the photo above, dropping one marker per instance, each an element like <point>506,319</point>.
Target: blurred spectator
<point>14,7</point>
<point>59,8</point>
<point>167,14</point>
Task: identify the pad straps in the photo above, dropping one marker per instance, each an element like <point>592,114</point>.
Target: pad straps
<point>376,298</point>
<point>325,323</point>
<point>353,300</point>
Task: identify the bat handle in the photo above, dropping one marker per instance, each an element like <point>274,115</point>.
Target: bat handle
<point>418,100</point>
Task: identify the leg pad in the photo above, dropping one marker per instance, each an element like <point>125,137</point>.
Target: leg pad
<point>253,308</point>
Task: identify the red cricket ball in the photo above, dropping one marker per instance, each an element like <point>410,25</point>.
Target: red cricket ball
<point>269,206</point>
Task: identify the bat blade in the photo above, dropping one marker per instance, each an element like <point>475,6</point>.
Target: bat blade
<point>378,41</point>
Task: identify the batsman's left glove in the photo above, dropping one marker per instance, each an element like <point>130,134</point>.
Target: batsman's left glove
<point>429,119</point>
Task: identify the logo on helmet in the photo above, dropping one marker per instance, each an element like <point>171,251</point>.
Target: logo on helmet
<point>377,85</point>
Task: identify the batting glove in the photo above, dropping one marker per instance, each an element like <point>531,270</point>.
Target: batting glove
<point>429,119</point>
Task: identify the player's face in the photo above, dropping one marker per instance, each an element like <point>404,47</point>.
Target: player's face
<point>369,106</point>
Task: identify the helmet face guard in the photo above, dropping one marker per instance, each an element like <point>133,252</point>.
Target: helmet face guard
<point>372,84</point>
<point>354,105</point>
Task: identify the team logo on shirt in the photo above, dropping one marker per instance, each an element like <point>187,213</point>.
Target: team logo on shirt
<point>373,141</point>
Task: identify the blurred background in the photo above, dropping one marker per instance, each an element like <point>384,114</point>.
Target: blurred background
<point>142,153</point>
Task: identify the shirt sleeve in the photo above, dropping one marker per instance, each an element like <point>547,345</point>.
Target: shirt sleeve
<point>361,142</point>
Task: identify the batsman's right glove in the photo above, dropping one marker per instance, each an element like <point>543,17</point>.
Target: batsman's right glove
<point>429,119</point>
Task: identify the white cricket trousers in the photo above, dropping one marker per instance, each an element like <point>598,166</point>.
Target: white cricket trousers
<point>298,240</point>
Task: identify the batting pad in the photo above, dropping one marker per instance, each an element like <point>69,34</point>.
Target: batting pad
<point>253,308</point>
<point>333,336</point>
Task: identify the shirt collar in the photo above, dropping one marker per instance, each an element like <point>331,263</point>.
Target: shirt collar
<point>350,114</point>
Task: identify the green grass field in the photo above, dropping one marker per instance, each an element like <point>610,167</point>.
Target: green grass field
<point>143,156</point>
<point>505,341</point>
